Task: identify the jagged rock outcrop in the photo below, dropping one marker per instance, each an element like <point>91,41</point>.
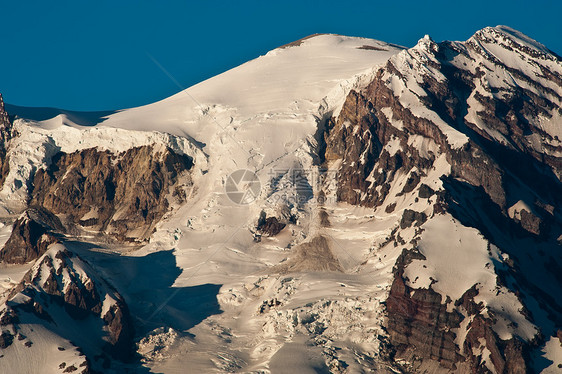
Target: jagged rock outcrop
<point>5,136</point>
<point>269,226</point>
<point>509,356</point>
<point>32,233</point>
<point>5,122</point>
<point>62,287</point>
<point>378,116</point>
<point>6,339</point>
<point>410,217</point>
<point>123,195</point>
<point>473,129</point>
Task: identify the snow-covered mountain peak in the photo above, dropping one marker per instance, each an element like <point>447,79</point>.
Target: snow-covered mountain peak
<point>332,40</point>
<point>407,217</point>
<point>454,123</point>
<point>284,82</point>
<point>510,38</point>
<point>426,43</point>
<point>63,314</point>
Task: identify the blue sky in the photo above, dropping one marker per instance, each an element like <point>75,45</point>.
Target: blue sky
<point>94,55</point>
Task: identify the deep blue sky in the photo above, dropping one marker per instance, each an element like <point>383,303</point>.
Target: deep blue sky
<point>93,55</point>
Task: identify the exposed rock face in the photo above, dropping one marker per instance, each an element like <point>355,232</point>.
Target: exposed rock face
<point>420,326</point>
<point>123,195</point>
<point>418,322</point>
<point>32,234</point>
<point>531,223</point>
<point>313,255</point>
<point>6,339</point>
<point>410,217</point>
<point>506,356</point>
<point>61,280</point>
<point>5,135</point>
<point>4,118</point>
<point>120,329</point>
<point>490,131</point>
<point>377,116</point>
<point>269,226</point>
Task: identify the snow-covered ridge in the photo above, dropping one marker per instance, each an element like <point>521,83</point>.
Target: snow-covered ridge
<point>37,142</point>
<point>510,37</point>
<point>513,88</point>
<point>63,315</point>
<point>413,65</point>
<point>258,111</point>
<point>267,116</point>
<point>514,64</point>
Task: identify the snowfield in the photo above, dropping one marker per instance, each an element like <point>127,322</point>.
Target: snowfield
<point>262,115</point>
<point>207,292</point>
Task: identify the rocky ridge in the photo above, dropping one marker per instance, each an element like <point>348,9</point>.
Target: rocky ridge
<point>470,129</point>
<point>448,189</point>
<point>32,233</point>
<point>5,135</point>
<point>64,292</point>
<point>118,194</point>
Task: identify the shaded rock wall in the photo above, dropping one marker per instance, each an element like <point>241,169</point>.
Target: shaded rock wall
<point>32,233</point>
<point>5,136</point>
<point>122,195</point>
<point>418,320</point>
<point>420,326</point>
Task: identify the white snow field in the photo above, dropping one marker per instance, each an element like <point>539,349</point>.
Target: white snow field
<point>206,295</point>
<point>262,116</point>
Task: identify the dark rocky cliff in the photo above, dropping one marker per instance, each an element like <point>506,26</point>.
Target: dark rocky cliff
<point>5,135</point>
<point>32,233</point>
<point>123,195</point>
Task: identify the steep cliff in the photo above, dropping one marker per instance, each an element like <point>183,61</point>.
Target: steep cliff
<point>5,135</point>
<point>32,233</point>
<point>123,195</point>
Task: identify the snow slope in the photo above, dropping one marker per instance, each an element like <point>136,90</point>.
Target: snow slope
<point>262,115</point>
<point>208,292</point>
<point>46,339</point>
